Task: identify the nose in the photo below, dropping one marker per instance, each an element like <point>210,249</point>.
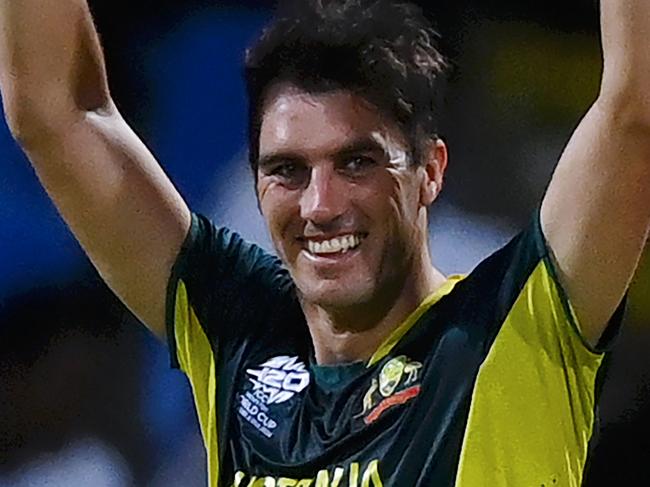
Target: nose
<point>324,198</point>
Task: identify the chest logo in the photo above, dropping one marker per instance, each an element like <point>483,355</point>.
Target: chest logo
<point>397,383</point>
<point>279,378</point>
<point>274,382</point>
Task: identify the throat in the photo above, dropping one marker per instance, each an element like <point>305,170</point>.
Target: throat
<point>348,335</point>
<point>333,346</point>
<point>352,335</point>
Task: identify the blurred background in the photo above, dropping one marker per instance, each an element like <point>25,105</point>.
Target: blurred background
<point>86,393</point>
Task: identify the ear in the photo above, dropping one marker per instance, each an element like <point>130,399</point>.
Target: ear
<point>433,172</point>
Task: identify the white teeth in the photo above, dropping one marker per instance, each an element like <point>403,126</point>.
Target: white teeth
<point>339,244</point>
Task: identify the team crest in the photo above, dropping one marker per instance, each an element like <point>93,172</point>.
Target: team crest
<point>397,383</point>
<point>275,381</point>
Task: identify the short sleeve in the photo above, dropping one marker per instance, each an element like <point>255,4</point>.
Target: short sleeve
<point>221,287</point>
<point>521,279</point>
<point>555,294</point>
<point>221,293</point>
<point>535,395</point>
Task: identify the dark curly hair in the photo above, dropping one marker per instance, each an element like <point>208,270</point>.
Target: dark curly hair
<point>384,51</point>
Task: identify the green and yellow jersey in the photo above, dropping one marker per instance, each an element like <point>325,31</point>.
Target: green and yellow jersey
<point>488,382</point>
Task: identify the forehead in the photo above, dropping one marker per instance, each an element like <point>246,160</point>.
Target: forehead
<point>295,120</point>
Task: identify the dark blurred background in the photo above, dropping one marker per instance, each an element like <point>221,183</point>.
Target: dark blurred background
<point>86,394</point>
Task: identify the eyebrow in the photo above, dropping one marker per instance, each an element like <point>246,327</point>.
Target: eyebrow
<point>270,160</point>
<point>363,144</point>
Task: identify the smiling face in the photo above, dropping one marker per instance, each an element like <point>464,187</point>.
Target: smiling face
<point>345,208</point>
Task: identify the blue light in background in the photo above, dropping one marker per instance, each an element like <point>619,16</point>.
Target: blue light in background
<point>198,96</point>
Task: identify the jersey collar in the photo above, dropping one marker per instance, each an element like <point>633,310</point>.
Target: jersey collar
<point>393,339</point>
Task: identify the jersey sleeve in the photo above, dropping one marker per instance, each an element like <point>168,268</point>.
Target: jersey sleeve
<point>220,294</point>
<point>547,297</point>
<point>221,287</point>
<point>535,395</point>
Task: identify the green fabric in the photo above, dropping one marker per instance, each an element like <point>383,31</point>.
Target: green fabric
<point>333,377</point>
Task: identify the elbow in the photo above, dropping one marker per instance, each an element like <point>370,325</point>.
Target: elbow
<point>25,122</point>
<point>36,113</point>
<point>34,124</point>
<point>25,130</point>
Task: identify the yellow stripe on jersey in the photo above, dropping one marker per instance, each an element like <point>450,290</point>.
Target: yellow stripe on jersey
<point>197,360</point>
<point>532,409</point>
<point>393,339</point>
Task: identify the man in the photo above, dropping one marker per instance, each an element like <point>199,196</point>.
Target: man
<point>351,360</point>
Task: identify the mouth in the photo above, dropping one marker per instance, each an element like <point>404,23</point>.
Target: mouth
<point>340,244</point>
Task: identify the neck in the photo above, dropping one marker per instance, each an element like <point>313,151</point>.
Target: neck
<point>355,333</point>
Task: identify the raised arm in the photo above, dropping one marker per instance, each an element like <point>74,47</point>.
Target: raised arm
<point>596,213</point>
<point>106,184</point>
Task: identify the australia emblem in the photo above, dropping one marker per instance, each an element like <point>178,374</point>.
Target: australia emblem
<point>397,383</point>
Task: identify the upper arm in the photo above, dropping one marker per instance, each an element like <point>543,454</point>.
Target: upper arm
<point>118,202</point>
<point>106,184</point>
<point>596,212</point>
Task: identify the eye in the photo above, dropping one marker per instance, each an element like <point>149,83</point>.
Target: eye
<point>286,170</point>
<point>290,173</point>
<point>358,163</point>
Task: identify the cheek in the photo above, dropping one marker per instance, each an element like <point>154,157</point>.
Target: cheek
<point>404,194</point>
<point>262,187</point>
<point>266,202</point>
<point>278,208</point>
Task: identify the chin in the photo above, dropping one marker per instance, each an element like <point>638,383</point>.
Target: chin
<point>335,294</point>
